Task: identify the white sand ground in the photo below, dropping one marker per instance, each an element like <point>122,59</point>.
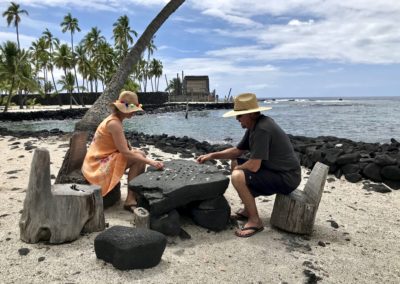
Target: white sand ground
<point>365,248</point>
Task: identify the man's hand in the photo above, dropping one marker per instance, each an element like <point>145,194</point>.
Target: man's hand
<point>203,158</point>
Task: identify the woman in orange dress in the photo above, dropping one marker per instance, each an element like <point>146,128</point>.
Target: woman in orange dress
<point>110,155</point>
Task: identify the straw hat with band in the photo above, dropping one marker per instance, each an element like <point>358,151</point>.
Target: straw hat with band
<point>127,102</point>
<point>245,103</point>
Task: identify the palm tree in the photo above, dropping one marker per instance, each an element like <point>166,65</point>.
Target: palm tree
<point>82,61</point>
<point>71,24</point>
<point>156,71</point>
<point>40,57</point>
<point>63,60</point>
<point>151,47</point>
<point>67,83</point>
<point>122,36</point>
<point>104,59</point>
<point>12,16</point>
<point>138,71</point>
<point>9,68</point>
<point>175,86</point>
<point>50,43</point>
<point>91,43</point>
<point>14,64</point>
<point>92,40</point>
<point>99,111</point>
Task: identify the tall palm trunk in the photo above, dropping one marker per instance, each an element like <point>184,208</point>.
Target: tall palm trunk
<point>98,111</point>
<point>16,27</point>
<point>9,95</point>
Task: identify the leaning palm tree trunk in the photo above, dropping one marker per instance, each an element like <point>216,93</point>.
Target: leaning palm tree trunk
<point>99,111</point>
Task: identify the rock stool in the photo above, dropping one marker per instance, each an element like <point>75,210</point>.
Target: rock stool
<point>130,248</point>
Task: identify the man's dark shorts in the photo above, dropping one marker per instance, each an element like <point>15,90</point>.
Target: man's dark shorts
<point>265,181</point>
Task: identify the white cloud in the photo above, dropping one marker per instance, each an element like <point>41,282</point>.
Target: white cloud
<point>296,22</point>
<point>102,5</point>
<point>351,31</point>
<point>25,41</point>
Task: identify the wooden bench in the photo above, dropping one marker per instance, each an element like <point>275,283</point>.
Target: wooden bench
<point>58,213</point>
<point>296,211</point>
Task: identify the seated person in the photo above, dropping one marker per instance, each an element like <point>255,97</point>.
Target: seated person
<point>271,168</point>
<point>109,154</point>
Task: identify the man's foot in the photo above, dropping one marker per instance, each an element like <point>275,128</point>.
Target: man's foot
<point>246,232</point>
<point>249,229</point>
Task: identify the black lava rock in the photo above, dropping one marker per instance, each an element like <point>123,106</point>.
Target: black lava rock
<point>167,224</point>
<point>180,183</point>
<point>212,214</point>
<point>130,248</point>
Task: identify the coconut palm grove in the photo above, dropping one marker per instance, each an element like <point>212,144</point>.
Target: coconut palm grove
<point>86,66</point>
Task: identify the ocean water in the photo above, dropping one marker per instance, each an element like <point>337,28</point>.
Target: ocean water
<point>358,119</point>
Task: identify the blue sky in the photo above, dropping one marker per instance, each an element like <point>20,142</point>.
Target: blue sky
<point>277,48</point>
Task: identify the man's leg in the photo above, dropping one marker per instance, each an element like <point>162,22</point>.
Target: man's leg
<point>239,182</point>
<point>242,213</point>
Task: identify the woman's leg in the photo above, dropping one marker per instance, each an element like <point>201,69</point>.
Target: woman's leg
<point>135,168</point>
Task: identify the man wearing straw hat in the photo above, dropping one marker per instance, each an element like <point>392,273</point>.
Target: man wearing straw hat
<point>272,166</point>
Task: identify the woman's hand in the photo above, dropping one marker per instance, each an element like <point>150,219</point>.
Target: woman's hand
<point>158,165</point>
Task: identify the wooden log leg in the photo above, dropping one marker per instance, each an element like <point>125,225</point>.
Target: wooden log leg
<point>141,217</point>
<point>292,214</point>
<point>97,221</point>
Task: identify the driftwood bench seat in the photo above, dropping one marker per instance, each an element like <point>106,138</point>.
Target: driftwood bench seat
<point>296,211</point>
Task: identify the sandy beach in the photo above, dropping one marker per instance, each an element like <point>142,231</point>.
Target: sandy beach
<point>355,239</point>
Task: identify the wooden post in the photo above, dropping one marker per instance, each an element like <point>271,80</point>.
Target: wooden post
<point>142,217</point>
<point>296,212</point>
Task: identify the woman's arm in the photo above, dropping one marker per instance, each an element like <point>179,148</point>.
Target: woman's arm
<point>117,133</point>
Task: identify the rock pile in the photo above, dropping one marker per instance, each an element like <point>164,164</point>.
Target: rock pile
<point>354,160</point>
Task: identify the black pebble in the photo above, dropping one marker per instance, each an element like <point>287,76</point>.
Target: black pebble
<point>40,259</point>
<point>333,224</point>
<point>23,251</point>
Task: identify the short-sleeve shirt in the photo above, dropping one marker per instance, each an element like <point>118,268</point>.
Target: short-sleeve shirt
<point>269,143</point>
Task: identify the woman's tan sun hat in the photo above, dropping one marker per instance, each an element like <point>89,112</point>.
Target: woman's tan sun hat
<point>245,103</point>
<point>128,102</point>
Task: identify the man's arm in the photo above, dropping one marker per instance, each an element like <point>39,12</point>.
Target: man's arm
<point>230,153</point>
<point>253,165</point>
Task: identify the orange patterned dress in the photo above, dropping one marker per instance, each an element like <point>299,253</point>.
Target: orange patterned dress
<point>103,164</point>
